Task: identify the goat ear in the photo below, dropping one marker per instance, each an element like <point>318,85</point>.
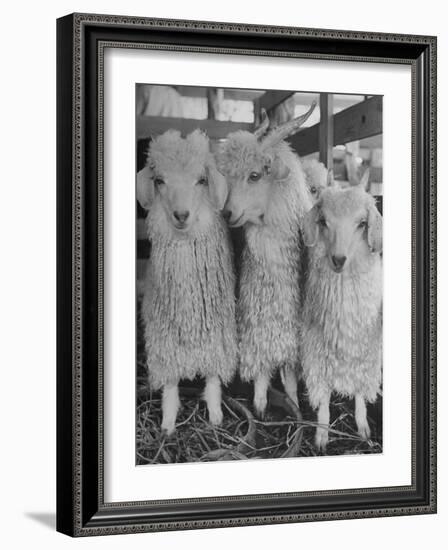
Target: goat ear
<point>145,188</point>
<point>364,181</point>
<point>310,227</point>
<point>217,186</point>
<point>375,229</point>
<point>277,168</point>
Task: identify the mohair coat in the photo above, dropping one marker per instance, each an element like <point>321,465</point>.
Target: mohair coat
<point>341,338</point>
<point>189,302</point>
<point>269,306</point>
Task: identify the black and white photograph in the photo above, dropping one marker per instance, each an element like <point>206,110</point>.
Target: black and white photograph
<point>246,275</point>
<point>259,273</point>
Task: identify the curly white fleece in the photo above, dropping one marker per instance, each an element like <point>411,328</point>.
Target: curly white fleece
<point>189,302</point>
<point>341,339</point>
<point>270,294</point>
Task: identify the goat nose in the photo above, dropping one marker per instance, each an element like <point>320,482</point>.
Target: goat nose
<point>338,261</point>
<point>227,214</point>
<point>181,216</point>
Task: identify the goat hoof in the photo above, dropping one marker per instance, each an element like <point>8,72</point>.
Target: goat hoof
<point>260,408</point>
<point>260,412</point>
<point>215,417</point>
<point>168,430</point>
<point>321,439</point>
<point>364,431</point>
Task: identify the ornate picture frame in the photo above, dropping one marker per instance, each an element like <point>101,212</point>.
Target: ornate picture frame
<point>81,42</point>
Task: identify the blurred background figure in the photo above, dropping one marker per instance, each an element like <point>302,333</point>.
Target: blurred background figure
<point>159,101</point>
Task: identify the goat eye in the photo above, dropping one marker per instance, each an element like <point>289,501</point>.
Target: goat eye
<point>254,176</point>
<point>362,224</point>
<point>322,222</point>
<point>313,190</point>
<point>159,181</point>
<point>202,181</point>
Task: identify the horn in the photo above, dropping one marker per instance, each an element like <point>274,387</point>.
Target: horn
<point>331,182</point>
<point>364,181</point>
<point>289,128</point>
<point>263,127</point>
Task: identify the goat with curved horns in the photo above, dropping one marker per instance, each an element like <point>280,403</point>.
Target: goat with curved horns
<point>268,195</point>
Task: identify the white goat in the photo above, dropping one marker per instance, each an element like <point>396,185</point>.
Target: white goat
<point>269,197</point>
<point>189,304</point>
<point>316,175</point>
<point>342,314</point>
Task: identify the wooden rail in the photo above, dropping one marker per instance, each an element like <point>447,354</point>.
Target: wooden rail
<point>272,98</point>
<point>268,101</point>
<point>216,129</point>
<point>229,93</point>
<point>326,130</point>
<point>360,121</point>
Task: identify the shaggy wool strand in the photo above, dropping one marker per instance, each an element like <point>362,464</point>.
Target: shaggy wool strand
<point>189,304</point>
<point>270,288</point>
<point>342,329</point>
<point>268,309</point>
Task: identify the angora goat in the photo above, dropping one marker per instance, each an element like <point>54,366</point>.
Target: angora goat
<point>342,315</point>
<point>189,304</point>
<point>316,175</point>
<point>269,197</point>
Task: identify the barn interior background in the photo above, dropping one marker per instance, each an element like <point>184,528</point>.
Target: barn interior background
<point>344,133</point>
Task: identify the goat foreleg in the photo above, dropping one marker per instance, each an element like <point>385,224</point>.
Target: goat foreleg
<point>212,396</point>
<point>261,394</point>
<point>361,416</point>
<point>323,420</point>
<point>170,407</point>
